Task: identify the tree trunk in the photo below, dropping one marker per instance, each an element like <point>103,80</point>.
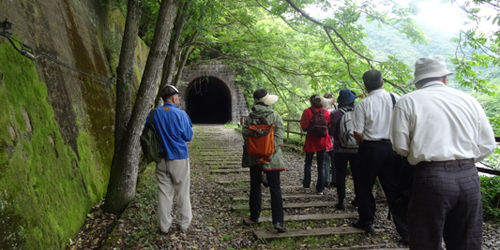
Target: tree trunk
<point>170,60</point>
<point>124,169</point>
<point>125,71</point>
<point>181,66</point>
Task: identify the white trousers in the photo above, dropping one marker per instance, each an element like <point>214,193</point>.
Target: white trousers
<point>173,175</point>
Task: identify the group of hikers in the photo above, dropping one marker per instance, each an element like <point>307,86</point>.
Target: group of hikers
<point>422,147</point>
<point>431,137</point>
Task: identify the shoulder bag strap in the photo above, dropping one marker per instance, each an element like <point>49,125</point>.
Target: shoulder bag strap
<point>150,121</point>
<point>393,100</point>
<point>151,116</point>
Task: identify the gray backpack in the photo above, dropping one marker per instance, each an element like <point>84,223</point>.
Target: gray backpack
<point>346,131</point>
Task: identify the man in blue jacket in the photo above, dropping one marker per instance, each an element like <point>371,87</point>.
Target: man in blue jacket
<point>174,129</point>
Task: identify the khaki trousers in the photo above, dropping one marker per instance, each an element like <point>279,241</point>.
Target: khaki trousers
<point>173,175</point>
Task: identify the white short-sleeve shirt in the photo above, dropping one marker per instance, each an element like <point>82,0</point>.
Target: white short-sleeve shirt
<point>372,115</point>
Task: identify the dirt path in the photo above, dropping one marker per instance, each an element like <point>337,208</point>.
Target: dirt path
<point>216,225</point>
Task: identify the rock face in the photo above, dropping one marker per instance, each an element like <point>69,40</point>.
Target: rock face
<point>56,123</point>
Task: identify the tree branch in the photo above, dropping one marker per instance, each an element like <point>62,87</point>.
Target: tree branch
<point>343,57</point>
<point>282,69</point>
<point>303,13</point>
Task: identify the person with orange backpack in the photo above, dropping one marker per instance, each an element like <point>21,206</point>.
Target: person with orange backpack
<point>264,126</point>
<point>314,121</point>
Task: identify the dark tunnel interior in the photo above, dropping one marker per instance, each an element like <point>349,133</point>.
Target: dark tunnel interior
<point>208,101</point>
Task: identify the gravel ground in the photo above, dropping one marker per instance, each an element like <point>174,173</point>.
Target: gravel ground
<point>215,226</point>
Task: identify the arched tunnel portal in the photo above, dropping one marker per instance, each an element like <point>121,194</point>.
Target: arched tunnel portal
<point>208,101</point>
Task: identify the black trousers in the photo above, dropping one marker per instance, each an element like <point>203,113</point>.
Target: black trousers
<point>273,178</point>
<point>320,160</point>
<point>446,203</point>
<point>341,160</point>
<point>378,159</point>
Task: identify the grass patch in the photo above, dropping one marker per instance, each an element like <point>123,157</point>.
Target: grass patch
<point>231,125</point>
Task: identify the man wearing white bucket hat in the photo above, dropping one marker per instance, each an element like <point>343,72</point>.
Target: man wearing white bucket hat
<point>442,132</point>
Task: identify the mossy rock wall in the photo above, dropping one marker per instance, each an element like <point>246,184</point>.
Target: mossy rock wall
<point>56,125</point>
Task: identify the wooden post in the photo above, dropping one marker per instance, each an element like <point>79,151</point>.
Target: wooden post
<point>287,130</point>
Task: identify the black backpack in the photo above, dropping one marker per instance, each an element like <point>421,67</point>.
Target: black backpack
<point>150,142</point>
<point>318,125</point>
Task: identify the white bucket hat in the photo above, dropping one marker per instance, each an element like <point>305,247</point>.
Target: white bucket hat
<point>429,67</point>
<point>261,95</point>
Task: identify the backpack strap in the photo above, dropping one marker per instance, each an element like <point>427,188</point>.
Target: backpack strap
<point>150,122</point>
<point>151,116</point>
<point>393,100</point>
<point>313,110</point>
<point>345,110</point>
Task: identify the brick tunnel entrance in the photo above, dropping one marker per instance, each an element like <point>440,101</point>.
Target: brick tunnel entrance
<point>208,100</point>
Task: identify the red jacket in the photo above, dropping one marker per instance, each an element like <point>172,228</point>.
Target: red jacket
<point>315,144</point>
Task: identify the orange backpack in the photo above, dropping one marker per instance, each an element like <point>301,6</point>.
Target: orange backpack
<point>260,141</point>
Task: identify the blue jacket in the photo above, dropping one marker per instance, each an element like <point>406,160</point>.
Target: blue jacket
<point>174,129</point>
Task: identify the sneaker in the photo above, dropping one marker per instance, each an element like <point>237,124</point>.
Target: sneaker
<point>254,220</point>
<point>366,226</point>
<point>160,232</point>
<point>183,230</point>
<point>280,227</point>
<point>319,193</point>
<point>340,206</point>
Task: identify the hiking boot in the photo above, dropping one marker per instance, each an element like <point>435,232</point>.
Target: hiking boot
<point>340,206</point>
<point>404,241</point>
<point>354,203</point>
<point>280,227</point>
<point>365,226</point>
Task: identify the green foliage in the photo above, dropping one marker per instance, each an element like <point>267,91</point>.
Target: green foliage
<point>149,16</point>
<point>477,49</point>
<point>490,192</point>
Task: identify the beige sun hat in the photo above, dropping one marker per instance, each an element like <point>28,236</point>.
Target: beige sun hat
<point>429,67</point>
<point>261,95</point>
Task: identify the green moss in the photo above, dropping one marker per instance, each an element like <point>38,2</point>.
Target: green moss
<point>48,188</point>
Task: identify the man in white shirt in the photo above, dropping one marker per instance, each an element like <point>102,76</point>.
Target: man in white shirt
<point>372,117</point>
<point>443,132</point>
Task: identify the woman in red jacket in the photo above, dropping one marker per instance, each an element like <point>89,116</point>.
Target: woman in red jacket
<point>315,144</point>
